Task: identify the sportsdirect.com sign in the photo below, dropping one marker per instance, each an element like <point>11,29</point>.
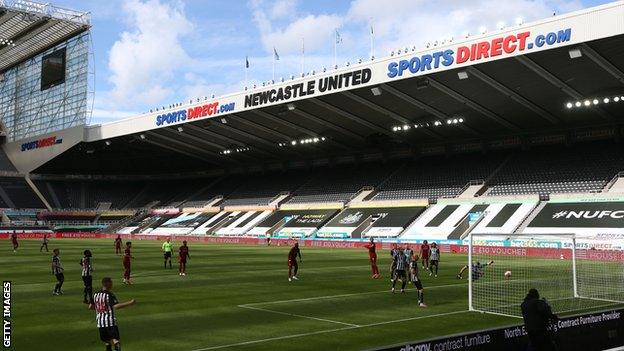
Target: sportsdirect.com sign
<point>504,45</point>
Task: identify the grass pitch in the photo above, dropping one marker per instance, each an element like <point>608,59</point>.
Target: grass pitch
<point>233,298</point>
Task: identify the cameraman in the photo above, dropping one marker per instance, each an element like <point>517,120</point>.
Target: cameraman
<point>537,316</point>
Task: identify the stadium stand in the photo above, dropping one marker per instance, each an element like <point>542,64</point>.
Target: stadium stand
<point>434,177</point>
<point>16,193</point>
<point>259,189</point>
<point>341,183</point>
<point>585,167</point>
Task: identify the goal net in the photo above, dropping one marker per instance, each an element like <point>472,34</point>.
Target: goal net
<point>573,274</point>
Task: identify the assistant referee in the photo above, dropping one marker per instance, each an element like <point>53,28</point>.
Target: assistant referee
<point>167,248</point>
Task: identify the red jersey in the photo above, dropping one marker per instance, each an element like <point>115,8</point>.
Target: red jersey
<point>372,247</point>
<point>424,250</point>
<point>293,253</point>
<point>184,251</point>
<point>127,255</point>
<point>118,242</point>
<point>14,238</point>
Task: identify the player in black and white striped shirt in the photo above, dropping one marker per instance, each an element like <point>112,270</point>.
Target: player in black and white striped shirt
<point>57,270</point>
<point>416,281</point>
<point>434,262</point>
<point>105,304</point>
<point>87,279</point>
<point>399,270</point>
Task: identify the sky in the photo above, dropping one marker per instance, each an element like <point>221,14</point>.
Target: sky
<point>150,53</point>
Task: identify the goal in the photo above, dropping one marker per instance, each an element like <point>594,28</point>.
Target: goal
<point>573,274</point>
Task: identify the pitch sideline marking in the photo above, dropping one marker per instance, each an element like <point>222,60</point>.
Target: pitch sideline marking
<point>297,315</point>
<point>327,331</point>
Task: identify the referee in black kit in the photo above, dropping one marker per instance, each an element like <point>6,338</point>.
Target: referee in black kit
<point>537,316</point>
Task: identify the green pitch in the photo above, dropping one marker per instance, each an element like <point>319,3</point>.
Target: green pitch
<point>233,298</point>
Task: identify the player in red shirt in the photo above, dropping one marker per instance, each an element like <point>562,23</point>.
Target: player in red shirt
<point>14,241</point>
<point>126,263</point>
<point>118,245</point>
<point>182,257</point>
<point>293,267</point>
<point>372,255</point>
<point>425,252</point>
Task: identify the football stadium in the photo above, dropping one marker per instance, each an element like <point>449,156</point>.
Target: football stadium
<point>463,195</point>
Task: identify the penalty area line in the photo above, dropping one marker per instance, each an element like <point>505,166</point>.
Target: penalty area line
<point>297,315</point>
<point>326,331</point>
<point>346,295</point>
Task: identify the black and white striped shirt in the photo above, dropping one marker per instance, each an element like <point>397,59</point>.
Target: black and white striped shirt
<point>401,262</point>
<point>414,272</point>
<point>57,267</point>
<point>435,254</point>
<point>104,302</point>
<point>86,266</point>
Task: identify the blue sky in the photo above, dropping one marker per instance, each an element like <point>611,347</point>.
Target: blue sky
<point>152,53</point>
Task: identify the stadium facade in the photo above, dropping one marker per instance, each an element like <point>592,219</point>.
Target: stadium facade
<point>521,124</point>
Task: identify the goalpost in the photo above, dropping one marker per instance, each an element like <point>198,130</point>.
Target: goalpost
<point>570,278</point>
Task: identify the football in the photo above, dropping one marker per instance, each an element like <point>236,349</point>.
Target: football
<point>507,274</point>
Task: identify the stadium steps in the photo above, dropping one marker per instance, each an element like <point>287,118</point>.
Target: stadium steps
<point>473,189</point>
<point>133,203</point>
<point>37,192</point>
<point>279,199</point>
<point>137,217</point>
<point>616,185</point>
<point>5,198</point>
<point>525,222</point>
<point>363,194</point>
<point>495,172</point>
<point>415,221</point>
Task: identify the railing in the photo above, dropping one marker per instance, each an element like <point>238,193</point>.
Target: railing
<point>610,184</point>
<point>471,183</point>
<point>47,10</point>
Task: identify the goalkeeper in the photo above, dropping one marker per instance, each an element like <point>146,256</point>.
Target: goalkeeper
<point>478,270</point>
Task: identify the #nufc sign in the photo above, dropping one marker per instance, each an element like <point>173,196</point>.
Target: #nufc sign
<point>41,143</point>
<point>196,112</point>
<point>581,215</point>
<point>308,88</point>
<point>475,52</point>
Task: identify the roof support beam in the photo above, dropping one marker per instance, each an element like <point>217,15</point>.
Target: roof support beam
<point>395,116</point>
<point>202,141</point>
<point>171,148</point>
<point>513,95</point>
<point>602,62</point>
<point>193,138</point>
<point>188,146</point>
<point>226,139</point>
<point>267,130</point>
<point>352,117</point>
<point>421,105</point>
<point>330,125</point>
<point>473,105</point>
<point>549,77</point>
<point>294,126</point>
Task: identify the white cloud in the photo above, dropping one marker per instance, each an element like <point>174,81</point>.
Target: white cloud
<point>313,31</point>
<point>103,115</point>
<point>416,22</point>
<point>283,8</point>
<point>143,60</point>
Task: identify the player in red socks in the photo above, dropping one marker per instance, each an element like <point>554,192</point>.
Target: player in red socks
<point>372,255</point>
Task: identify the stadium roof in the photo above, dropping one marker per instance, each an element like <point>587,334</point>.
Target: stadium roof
<point>27,28</point>
<point>480,102</point>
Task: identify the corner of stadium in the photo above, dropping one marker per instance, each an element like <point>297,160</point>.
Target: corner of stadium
<point>502,147</point>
